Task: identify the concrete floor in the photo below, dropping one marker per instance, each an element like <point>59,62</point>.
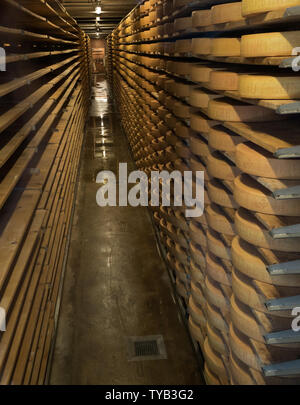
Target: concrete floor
<point>116,284</point>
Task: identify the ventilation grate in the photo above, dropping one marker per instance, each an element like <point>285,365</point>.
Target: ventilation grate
<point>146,348</point>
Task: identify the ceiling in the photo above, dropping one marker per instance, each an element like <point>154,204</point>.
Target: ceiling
<point>112,12</point>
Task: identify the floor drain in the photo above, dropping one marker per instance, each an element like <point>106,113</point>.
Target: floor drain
<point>146,348</point>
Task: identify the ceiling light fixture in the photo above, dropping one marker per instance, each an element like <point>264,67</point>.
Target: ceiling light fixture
<point>98,10</point>
<point>97,18</point>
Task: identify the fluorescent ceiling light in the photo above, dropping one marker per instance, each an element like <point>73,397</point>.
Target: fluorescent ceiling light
<point>98,10</point>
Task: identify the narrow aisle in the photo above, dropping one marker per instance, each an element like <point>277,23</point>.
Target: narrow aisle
<point>115,285</point>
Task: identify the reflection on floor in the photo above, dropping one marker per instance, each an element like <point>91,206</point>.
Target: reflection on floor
<point>116,285</point>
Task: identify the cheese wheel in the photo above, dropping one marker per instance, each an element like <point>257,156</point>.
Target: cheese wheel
<point>182,24</point>
<point>200,73</point>
<point>182,130</point>
<point>216,270</point>
<point>269,44</point>
<point>217,246</point>
<point>247,259</point>
<point>198,146</point>
<point>223,139</point>
<point>269,87</point>
<point>200,123</point>
<point>249,194</point>
<point>210,377</point>
<point>197,314</point>
<point>196,332</point>
<point>220,167</point>
<point>197,234</point>
<point>201,46</point>
<point>235,111</point>
<point>197,275</point>
<point>218,296</point>
<point>255,293</point>
<point>198,294</point>
<point>250,7</point>
<point>256,324</point>
<point>215,362</point>
<point>255,160</point>
<point>197,254</point>
<point>220,195</point>
<point>183,46</point>
<point>200,98</point>
<point>217,342</point>
<point>223,47</point>
<point>218,221</point>
<point>201,18</point>
<point>251,230</point>
<point>224,13</point>
<point>215,318</point>
<point>223,80</point>
<point>256,354</point>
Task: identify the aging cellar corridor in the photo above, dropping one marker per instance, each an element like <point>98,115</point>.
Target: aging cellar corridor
<point>116,284</point>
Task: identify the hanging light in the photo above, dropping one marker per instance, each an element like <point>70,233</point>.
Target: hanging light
<point>97,18</point>
<point>98,10</point>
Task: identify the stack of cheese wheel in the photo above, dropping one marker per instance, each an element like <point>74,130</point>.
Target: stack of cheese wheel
<point>253,250</point>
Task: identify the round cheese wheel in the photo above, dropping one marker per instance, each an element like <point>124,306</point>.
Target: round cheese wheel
<point>220,195</point>
<point>255,160</point>
<point>256,354</point>
<point>183,46</point>
<point>201,46</point>
<point>218,221</point>
<point>210,377</point>
<point>247,259</point>
<point>220,167</point>
<point>218,295</point>
<point>197,255</point>
<point>182,130</point>
<point>235,111</point>
<point>223,139</point>
<point>269,87</point>
<point>250,7</point>
<point>200,123</point>
<point>255,293</point>
<point>223,47</point>
<point>182,24</point>
<point>217,246</point>
<point>249,194</point>
<point>198,145</point>
<point>217,342</point>
<point>216,270</point>
<point>197,234</point>
<point>198,294</point>
<point>197,314</point>
<point>200,98</point>
<point>223,80</point>
<point>215,363</point>
<point>269,44</point>
<point>197,274</point>
<point>201,18</point>
<point>224,13</point>
<point>181,289</point>
<point>256,324</point>
<point>196,332</point>
<point>200,73</point>
<point>215,318</point>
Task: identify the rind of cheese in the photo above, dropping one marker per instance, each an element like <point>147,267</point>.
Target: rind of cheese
<point>224,13</point>
<point>250,7</point>
<point>201,18</point>
<point>223,80</point>
<point>269,44</point>
<point>223,47</point>
<point>202,46</point>
<point>269,87</point>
